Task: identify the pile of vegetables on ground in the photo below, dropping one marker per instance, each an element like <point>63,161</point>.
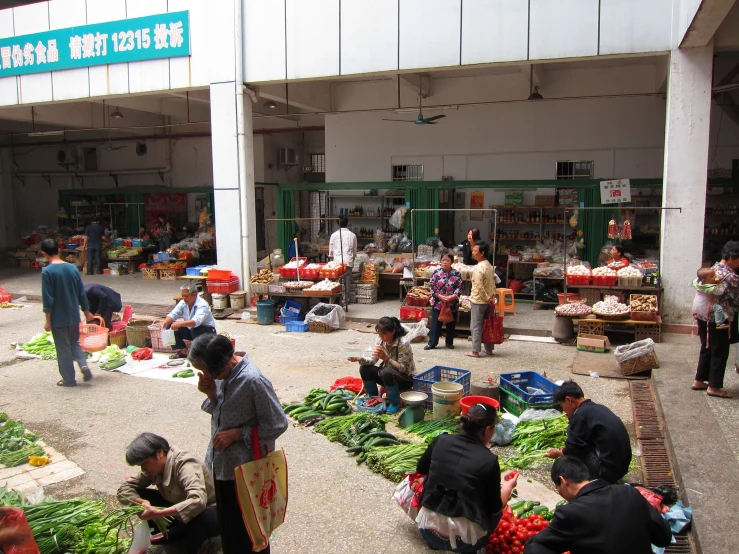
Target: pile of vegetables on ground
<point>41,345</point>
<point>365,434</point>
<point>523,520</point>
<point>318,404</point>
<point>533,439</point>
<point>16,445</point>
<point>111,358</point>
<point>79,525</point>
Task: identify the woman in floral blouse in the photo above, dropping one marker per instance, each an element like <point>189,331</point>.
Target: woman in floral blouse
<point>715,341</point>
<point>446,286</point>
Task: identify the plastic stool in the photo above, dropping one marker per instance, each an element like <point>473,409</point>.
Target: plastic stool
<point>502,307</point>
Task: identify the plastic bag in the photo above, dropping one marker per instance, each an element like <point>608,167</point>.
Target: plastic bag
<point>537,415</point>
<point>405,245</point>
<point>446,315</point>
<point>396,220</point>
<point>504,432</point>
<point>634,350</point>
<point>334,318</point>
<point>168,338</point>
<point>408,494</point>
<point>416,332</point>
<point>141,539</point>
<point>21,541</point>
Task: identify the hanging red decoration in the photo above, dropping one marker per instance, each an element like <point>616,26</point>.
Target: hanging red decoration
<point>613,230</point>
<point>626,230</point>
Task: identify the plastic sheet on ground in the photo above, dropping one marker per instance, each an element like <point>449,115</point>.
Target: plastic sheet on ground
<point>156,368</point>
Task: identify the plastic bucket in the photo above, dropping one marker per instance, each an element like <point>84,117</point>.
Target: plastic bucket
<point>266,312</point>
<point>571,297</point>
<point>220,301</point>
<point>238,300</point>
<point>468,401</point>
<point>446,398</point>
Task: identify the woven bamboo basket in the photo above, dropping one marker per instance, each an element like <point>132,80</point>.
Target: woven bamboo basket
<point>138,334</point>
<point>118,338</point>
<point>642,363</point>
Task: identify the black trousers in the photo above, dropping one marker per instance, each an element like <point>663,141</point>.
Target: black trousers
<point>597,469</point>
<point>713,355</point>
<point>190,333</point>
<point>194,533</point>
<point>387,376</point>
<point>436,326</point>
<point>234,537</point>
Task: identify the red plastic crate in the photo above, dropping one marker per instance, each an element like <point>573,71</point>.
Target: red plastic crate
<point>219,274</point>
<point>311,273</point>
<point>574,280</point>
<point>292,272</point>
<point>605,280</point>
<point>223,287</point>
<point>408,313</point>
<point>332,273</point>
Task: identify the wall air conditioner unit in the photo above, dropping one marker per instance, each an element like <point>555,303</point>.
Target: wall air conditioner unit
<point>287,157</point>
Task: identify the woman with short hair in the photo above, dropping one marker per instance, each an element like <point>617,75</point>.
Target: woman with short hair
<point>184,490</point>
<point>239,398</point>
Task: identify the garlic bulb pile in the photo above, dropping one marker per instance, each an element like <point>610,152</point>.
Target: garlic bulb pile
<point>629,272</point>
<point>332,265</point>
<point>610,306</point>
<point>573,309</point>
<point>578,270</point>
<point>326,284</point>
<point>604,272</point>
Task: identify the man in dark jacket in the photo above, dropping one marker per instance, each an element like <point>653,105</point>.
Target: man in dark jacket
<point>595,435</point>
<point>602,518</point>
<point>94,234</point>
<point>103,302</point>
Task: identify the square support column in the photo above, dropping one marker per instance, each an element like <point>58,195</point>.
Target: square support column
<point>687,133</point>
<point>233,179</point>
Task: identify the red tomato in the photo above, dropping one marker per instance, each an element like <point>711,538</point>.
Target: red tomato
<point>537,521</point>
<point>505,526</point>
<point>515,550</point>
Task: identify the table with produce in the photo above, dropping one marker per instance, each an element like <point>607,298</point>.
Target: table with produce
<point>301,279</point>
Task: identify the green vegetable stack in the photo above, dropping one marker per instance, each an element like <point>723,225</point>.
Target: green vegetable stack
<point>533,439</point>
<point>395,461</point>
<point>16,446</point>
<point>41,345</point>
<point>111,358</point>
<point>431,429</point>
<point>183,374</point>
<point>320,403</point>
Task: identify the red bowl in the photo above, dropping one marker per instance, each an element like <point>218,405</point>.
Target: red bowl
<point>467,402</point>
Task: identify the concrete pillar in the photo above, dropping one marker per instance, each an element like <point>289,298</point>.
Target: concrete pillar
<point>233,148</point>
<point>233,180</point>
<point>8,237</point>
<point>687,132</point>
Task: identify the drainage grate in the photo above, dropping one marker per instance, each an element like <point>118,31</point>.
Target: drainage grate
<point>656,462</point>
<point>646,419</point>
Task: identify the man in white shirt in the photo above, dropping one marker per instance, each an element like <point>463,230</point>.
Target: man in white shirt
<point>342,248</point>
<point>189,319</point>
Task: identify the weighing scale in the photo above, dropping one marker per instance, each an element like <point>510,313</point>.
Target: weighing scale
<point>415,408</point>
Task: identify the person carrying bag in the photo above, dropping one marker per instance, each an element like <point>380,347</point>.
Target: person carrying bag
<point>492,331</point>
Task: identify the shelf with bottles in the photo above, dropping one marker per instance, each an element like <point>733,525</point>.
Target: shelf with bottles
<point>529,215</point>
<point>518,235</point>
<point>731,210</point>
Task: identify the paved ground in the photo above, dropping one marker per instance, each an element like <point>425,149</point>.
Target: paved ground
<point>334,505</point>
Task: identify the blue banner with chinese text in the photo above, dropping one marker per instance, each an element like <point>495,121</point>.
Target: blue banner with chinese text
<point>152,37</point>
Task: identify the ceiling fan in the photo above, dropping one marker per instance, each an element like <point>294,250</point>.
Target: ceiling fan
<point>420,120</point>
<point>111,148</point>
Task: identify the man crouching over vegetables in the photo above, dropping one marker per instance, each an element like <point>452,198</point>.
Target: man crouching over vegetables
<point>189,319</point>
<point>184,491</point>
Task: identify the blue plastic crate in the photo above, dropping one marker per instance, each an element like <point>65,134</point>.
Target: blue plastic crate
<point>423,381</point>
<point>117,242</point>
<point>296,327</point>
<point>517,383</point>
<point>285,319</point>
<point>194,270</point>
<point>291,306</point>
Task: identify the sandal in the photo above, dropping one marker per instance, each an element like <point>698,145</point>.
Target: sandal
<point>720,394</point>
<point>61,383</point>
<point>699,388</point>
<point>86,373</point>
<point>178,356</point>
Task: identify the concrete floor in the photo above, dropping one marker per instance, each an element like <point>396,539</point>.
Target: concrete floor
<point>336,506</point>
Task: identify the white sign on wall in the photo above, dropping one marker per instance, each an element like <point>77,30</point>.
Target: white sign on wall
<point>615,192</point>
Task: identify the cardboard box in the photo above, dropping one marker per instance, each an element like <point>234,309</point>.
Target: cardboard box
<point>593,343</point>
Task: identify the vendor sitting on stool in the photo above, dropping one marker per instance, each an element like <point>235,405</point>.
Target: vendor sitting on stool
<point>397,368</point>
<point>103,302</point>
<point>198,320</point>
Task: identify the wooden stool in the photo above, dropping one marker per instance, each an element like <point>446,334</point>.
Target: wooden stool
<point>176,299</point>
<point>502,306</point>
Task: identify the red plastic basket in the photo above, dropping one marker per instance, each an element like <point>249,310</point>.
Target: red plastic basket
<point>223,287</point>
<point>574,280</point>
<point>413,301</point>
<point>93,338</point>
<point>311,273</point>
<point>411,314</point>
<point>332,273</point>
<point>605,280</point>
<point>219,274</point>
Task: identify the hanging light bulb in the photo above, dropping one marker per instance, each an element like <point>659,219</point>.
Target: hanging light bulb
<point>117,114</point>
<point>270,104</point>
